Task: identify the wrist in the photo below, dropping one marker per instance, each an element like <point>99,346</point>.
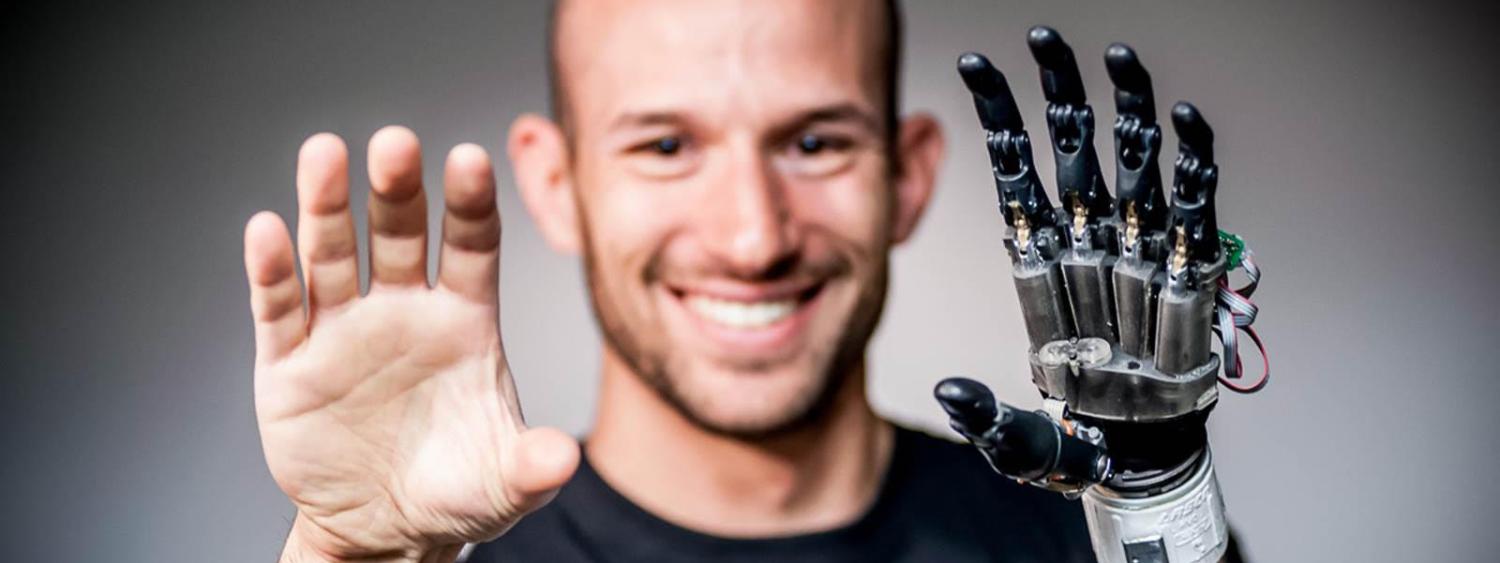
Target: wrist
<point>309,543</point>
<point>306,543</point>
<point>298,550</point>
<point>1155,445</point>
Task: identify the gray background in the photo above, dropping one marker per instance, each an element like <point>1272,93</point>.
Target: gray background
<point>137,139</point>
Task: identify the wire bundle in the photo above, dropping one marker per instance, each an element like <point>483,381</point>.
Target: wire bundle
<point>1235,314</point>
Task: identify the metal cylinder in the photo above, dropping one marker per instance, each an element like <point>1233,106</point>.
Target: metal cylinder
<point>1044,302</point>
<point>1183,525</point>
<point>1050,376</point>
<point>1090,292</point>
<point>1135,309</point>
<point>1184,329</point>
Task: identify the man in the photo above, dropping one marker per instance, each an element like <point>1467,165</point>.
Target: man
<point>734,176</point>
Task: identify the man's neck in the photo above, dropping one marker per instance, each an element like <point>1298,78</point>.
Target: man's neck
<point>818,477</point>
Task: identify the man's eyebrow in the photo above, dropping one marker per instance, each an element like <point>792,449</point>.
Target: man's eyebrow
<point>647,119</point>
<point>841,112</point>
<point>835,113</point>
<point>845,112</point>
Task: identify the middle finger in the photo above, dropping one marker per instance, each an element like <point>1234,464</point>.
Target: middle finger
<point>398,209</point>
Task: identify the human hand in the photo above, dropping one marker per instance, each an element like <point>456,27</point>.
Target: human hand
<point>390,419</point>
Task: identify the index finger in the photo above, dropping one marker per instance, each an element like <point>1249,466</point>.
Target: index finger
<point>275,294</point>
<point>1021,194</point>
<point>992,97</point>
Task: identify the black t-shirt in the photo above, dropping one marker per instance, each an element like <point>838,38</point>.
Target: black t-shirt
<point>940,501</point>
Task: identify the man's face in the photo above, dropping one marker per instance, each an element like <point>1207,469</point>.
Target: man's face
<point>733,180</point>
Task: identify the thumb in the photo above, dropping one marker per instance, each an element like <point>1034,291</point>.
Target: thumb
<point>541,461</point>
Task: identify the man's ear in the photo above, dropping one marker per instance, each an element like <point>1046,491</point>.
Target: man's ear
<point>539,156</point>
<point>920,148</point>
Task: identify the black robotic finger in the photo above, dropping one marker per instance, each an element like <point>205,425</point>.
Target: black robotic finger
<point>1196,137</point>
<point>1080,187</point>
<point>1022,200</point>
<point>1070,121</point>
<point>1133,93</point>
<point>1020,444</point>
<point>1061,83</point>
<point>1141,206</point>
<point>1194,224</point>
<point>992,97</point>
<point>1185,308</point>
<point>970,405</point>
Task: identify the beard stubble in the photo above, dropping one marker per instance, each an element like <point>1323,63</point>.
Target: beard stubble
<point>833,369</point>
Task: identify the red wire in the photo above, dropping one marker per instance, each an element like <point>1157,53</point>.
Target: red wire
<point>1265,376</point>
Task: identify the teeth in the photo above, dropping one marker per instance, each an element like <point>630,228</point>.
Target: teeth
<point>739,314</point>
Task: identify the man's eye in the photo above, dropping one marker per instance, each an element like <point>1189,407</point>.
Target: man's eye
<point>812,145</point>
<point>818,154</point>
<point>667,156</point>
<point>665,146</point>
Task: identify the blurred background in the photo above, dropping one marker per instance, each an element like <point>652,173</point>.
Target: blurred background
<point>137,137</point>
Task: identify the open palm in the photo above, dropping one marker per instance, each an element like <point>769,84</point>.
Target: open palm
<point>390,419</point>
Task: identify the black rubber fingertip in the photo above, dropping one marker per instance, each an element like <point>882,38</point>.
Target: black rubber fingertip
<point>959,389</point>
<point>1118,56</point>
<point>971,62</point>
<point>1061,82</point>
<point>1041,34</point>
<point>1190,125</point>
<point>1054,54</point>
<point>967,402</point>
<point>980,76</point>
<point>1184,111</point>
<point>1046,45</point>
<point>1124,67</point>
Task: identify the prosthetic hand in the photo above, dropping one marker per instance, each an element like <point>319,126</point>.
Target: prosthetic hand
<point>1122,299</point>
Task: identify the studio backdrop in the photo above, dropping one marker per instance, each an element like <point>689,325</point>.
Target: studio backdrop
<point>137,137</point>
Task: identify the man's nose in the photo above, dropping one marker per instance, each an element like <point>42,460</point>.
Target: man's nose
<point>751,228</point>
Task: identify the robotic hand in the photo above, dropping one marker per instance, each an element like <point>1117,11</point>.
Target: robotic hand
<point>1121,300</point>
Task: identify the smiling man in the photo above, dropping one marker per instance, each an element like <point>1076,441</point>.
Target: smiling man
<point>734,176</point>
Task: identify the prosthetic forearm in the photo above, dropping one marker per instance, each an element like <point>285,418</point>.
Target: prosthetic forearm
<point>1121,300</point>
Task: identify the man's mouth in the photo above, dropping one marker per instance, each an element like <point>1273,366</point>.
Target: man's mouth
<point>749,320</point>
<point>745,314</point>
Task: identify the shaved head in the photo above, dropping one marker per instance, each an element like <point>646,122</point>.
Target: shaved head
<point>882,16</point>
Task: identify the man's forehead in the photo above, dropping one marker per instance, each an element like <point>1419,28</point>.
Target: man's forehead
<point>661,55</point>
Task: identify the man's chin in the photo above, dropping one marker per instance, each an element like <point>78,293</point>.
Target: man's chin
<point>750,401</point>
